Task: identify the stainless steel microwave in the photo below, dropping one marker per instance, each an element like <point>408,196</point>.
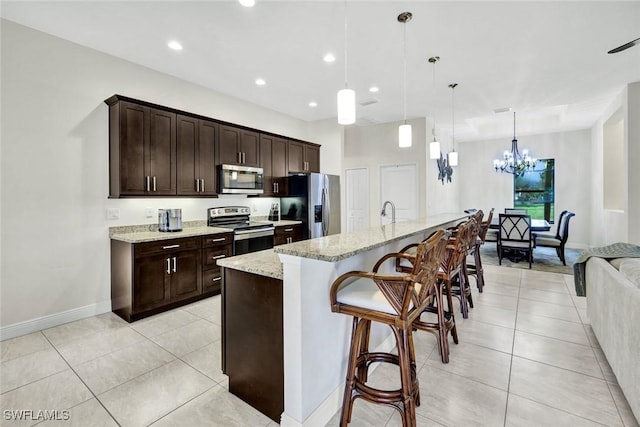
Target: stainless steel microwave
<point>241,180</point>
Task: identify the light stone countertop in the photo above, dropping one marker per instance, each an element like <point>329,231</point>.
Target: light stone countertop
<point>344,245</point>
<point>263,263</point>
<point>150,233</point>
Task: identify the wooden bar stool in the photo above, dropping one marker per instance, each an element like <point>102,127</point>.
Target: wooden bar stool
<point>396,300</point>
<point>445,322</point>
<point>476,269</point>
<point>458,278</point>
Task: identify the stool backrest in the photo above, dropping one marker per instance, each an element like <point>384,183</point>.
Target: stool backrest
<point>484,226</point>
<point>428,258</point>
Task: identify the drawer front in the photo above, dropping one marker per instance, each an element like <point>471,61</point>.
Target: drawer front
<point>212,280</point>
<point>170,245</point>
<point>214,240</point>
<point>212,255</point>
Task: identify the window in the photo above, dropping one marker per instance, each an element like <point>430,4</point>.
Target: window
<point>534,191</point>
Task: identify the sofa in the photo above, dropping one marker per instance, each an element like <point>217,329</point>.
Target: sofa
<point>613,306</point>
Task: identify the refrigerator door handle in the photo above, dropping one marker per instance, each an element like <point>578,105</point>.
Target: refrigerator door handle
<point>325,212</point>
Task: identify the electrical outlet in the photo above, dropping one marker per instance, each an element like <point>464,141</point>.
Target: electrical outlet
<point>113,213</point>
<point>150,212</point>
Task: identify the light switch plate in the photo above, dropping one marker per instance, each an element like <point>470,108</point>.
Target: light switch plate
<point>113,213</point>
<point>150,212</point>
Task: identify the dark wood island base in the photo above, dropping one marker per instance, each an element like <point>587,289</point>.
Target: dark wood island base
<point>252,340</point>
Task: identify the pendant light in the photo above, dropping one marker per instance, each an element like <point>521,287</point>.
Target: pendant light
<point>346,96</point>
<point>404,131</point>
<point>452,157</point>
<point>434,146</point>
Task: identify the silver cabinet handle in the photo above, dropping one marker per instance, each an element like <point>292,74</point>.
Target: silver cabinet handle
<point>216,279</point>
<point>148,184</point>
<point>277,187</point>
<point>175,264</point>
<point>154,183</point>
<point>202,185</point>
<point>218,256</point>
<point>220,239</point>
<point>244,157</point>
<point>168,266</point>
<point>288,229</point>
<point>171,247</point>
<point>197,185</point>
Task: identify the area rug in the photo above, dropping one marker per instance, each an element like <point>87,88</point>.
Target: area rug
<point>544,259</point>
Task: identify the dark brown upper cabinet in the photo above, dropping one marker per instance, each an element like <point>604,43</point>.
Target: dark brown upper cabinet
<point>303,157</point>
<point>142,144</point>
<point>273,160</point>
<point>239,146</point>
<point>196,148</point>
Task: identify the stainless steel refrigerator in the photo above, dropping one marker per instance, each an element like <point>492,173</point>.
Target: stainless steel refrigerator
<point>313,199</point>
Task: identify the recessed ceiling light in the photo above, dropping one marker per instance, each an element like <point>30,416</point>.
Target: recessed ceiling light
<point>313,104</point>
<point>329,57</point>
<point>374,89</point>
<point>260,82</point>
<point>247,3</point>
<point>174,45</point>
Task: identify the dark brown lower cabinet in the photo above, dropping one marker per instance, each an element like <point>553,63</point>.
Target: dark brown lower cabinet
<point>252,340</point>
<point>287,234</point>
<point>150,277</point>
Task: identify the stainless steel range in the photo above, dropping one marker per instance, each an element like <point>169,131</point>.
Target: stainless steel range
<point>248,236</point>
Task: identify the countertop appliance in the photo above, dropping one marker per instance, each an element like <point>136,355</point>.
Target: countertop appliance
<point>236,179</point>
<point>169,219</point>
<point>248,236</point>
<point>313,199</point>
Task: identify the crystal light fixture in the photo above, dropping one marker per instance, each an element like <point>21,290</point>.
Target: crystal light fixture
<point>346,96</point>
<point>512,161</point>
<point>452,157</point>
<point>404,131</point>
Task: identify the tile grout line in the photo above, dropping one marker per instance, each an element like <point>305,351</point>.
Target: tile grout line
<point>513,342</point>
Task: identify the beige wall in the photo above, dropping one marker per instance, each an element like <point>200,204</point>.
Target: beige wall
<point>55,246</point>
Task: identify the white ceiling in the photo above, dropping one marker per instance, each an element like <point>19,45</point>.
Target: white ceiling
<point>546,60</point>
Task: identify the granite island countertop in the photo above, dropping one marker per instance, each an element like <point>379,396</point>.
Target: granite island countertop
<point>344,245</point>
<point>263,263</point>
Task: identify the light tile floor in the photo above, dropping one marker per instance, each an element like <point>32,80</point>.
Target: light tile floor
<point>527,357</point>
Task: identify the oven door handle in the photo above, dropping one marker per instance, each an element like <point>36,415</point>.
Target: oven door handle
<point>250,234</point>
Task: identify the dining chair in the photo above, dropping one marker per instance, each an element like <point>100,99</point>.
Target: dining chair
<point>560,239</point>
<point>515,236</point>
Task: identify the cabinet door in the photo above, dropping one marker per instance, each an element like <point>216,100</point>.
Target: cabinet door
<point>186,280</point>
<point>133,132</point>
<point>187,155</point>
<point>152,276</point>
<point>161,155</point>
<point>208,139</point>
<point>279,157</point>
<point>229,145</point>
<point>266,145</point>
<point>250,148</point>
<point>295,156</point>
<point>312,157</point>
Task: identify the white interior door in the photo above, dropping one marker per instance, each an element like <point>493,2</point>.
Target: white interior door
<point>357,198</point>
<point>398,184</point>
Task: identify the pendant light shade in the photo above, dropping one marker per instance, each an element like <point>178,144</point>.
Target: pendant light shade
<point>346,106</point>
<point>404,130</point>
<point>452,158</point>
<point>404,136</point>
<point>434,150</point>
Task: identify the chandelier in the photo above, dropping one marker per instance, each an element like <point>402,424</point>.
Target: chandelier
<point>512,161</point>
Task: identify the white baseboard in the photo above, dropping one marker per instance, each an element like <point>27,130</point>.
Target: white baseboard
<point>327,409</point>
<point>46,322</point>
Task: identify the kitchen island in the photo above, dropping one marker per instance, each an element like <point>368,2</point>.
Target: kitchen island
<point>314,340</point>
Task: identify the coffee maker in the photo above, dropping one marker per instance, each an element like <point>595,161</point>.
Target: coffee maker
<point>169,220</point>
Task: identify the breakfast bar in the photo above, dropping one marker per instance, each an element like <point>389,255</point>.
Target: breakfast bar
<point>276,304</point>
